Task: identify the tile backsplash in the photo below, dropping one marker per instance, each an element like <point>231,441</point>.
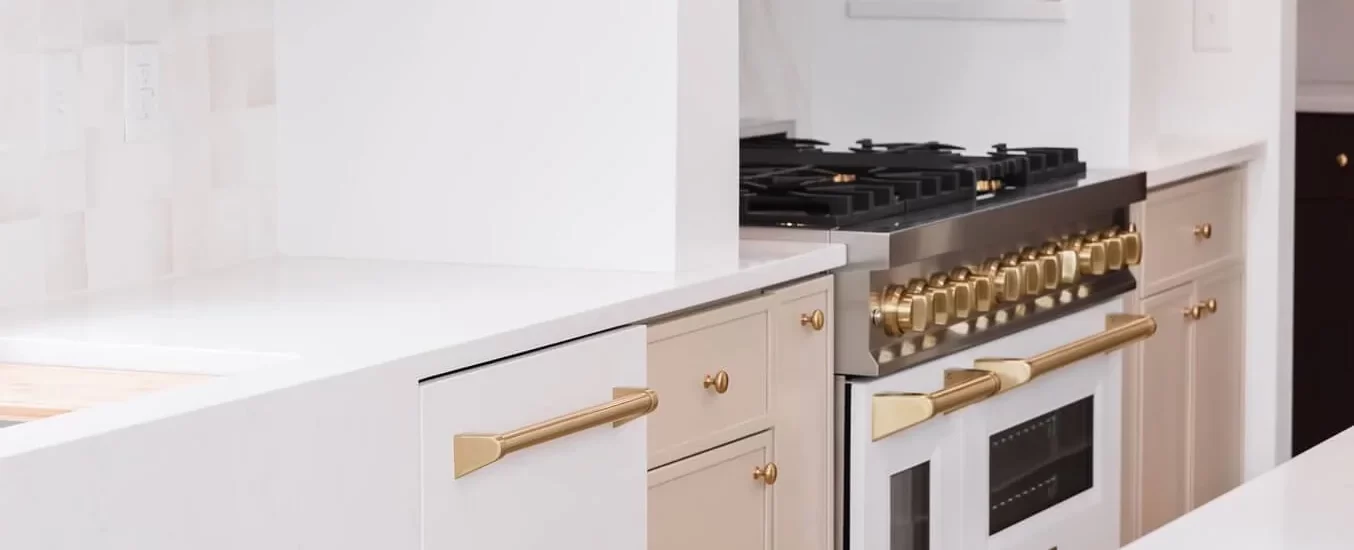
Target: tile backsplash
<point>82,206</point>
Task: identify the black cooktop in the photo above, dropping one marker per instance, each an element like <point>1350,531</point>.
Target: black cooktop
<point>791,182</point>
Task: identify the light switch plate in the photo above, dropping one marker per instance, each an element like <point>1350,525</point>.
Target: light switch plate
<point>1212,26</point>
<point>144,120</point>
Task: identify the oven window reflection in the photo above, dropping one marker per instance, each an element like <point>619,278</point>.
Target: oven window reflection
<point>910,509</point>
<point>1039,463</point>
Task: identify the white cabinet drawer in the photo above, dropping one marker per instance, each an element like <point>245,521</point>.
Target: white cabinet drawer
<point>1190,227</point>
<point>712,501</point>
<point>581,490</point>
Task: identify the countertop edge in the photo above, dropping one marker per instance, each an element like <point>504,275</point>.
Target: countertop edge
<point>1199,161</point>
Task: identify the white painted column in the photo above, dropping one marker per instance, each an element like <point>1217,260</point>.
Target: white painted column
<point>593,134</point>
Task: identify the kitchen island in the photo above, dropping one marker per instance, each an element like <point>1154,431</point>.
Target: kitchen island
<point>325,384</point>
<point>1304,504</point>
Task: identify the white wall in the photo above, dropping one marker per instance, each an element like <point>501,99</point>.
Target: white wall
<point>103,212</point>
<point>775,42</point>
<point>975,83</point>
<point>1247,92</point>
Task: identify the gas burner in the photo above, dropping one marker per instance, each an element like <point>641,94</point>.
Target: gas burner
<point>796,182</point>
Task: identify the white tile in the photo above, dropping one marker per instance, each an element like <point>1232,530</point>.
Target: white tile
<point>244,148</point>
<point>187,83</point>
<point>127,244</point>
<point>19,25</point>
<point>189,18</point>
<point>227,16</point>
<point>61,179</point>
<point>66,270</point>
<point>101,87</point>
<point>20,107</point>
<point>188,231</point>
<point>241,225</point>
<point>60,25</point>
<point>242,70</point>
<point>103,21</point>
<point>122,173</point>
<point>22,280</point>
<point>18,188</point>
<point>190,162</point>
<point>147,20</point>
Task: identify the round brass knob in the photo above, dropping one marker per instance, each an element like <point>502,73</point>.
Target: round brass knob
<point>1132,245</point>
<point>1342,160</point>
<point>904,311</point>
<point>1194,312</point>
<point>1204,231</point>
<point>816,320</point>
<point>1212,305</point>
<point>1091,258</point>
<point>768,474</point>
<point>719,382</point>
<point>981,283</point>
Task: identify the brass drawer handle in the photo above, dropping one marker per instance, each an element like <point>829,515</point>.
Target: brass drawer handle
<point>719,382</point>
<point>1204,231</point>
<point>817,320</point>
<point>767,474</point>
<point>474,451</point>
<point>1120,330</point>
<point>894,412</point>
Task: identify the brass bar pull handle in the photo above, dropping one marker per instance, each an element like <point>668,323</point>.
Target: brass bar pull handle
<point>894,412</point>
<point>475,451</point>
<point>1120,330</point>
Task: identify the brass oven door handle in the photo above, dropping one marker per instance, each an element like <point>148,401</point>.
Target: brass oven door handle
<point>475,451</point>
<point>1120,330</point>
<point>894,412</point>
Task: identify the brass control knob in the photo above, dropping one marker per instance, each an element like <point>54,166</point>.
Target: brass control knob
<point>1007,283</point>
<point>983,293</point>
<point>1030,276</point>
<point>1114,251</point>
<point>1045,265</point>
<point>959,293</point>
<point>902,310</point>
<point>942,300</point>
<point>1132,245</point>
<point>1066,260</point>
<point>1090,257</point>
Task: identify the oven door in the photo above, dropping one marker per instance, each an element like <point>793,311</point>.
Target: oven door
<point>901,490</point>
<point>1042,460</point>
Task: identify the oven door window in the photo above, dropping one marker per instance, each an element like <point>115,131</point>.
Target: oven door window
<point>1039,463</point>
<point>910,509</point>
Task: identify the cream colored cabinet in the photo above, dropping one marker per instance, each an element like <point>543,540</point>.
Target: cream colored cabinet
<point>1183,412</point>
<point>746,389</point>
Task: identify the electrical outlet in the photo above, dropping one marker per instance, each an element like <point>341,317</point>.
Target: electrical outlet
<point>1212,26</point>
<point>61,102</point>
<point>144,121</point>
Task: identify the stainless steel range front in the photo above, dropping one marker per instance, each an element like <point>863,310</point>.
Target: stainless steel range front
<point>977,328</point>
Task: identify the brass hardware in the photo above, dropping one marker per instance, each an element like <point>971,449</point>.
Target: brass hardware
<point>816,319</point>
<point>904,310</point>
<point>1045,268</point>
<point>1006,280</point>
<point>1120,330</point>
<point>1091,258</point>
<point>1204,231</point>
<point>1132,245</point>
<point>843,178</point>
<point>720,382</point>
<point>959,293</point>
<point>474,451</point>
<point>1114,253</point>
<point>894,412</point>
<point>942,299</point>
<point>1342,160</point>
<point>1194,312</point>
<point>1065,259</point>
<point>1212,305</point>
<point>984,186</point>
<point>1030,277</point>
<point>768,474</point>
<point>983,292</point>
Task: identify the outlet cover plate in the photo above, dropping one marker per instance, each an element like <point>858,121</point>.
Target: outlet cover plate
<point>1212,26</point>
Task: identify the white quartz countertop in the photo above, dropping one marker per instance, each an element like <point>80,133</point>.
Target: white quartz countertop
<point>281,322</point>
<point>1173,159</point>
<point>1304,504</point>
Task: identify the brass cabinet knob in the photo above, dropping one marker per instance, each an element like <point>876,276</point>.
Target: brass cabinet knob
<point>1194,312</point>
<point>768,474</point>
<point>983,292</point>
<point>1211,305</point>
<point>1132,245</point>
<point>1342,160</point>
<point>903,311</point>
<point>1091,258</point>
<point>1204,231</point>
<point>719,382</point>
<point>816,320</point>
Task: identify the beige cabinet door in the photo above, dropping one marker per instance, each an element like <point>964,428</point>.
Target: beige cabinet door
<point>1162,408</point>
<point>1219,372</point>
<point>713,501</point>
<point>801,402</point>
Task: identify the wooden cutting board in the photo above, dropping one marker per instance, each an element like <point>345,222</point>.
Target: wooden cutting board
<point>31,392</point>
